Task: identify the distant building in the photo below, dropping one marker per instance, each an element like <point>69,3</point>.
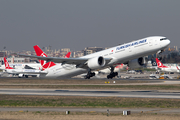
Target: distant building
<point>77,54</point>
<point>66,50</point>
<point>90,50</point>
<point>13,60</point>
<point>2,54</point>
<point>87,52</point>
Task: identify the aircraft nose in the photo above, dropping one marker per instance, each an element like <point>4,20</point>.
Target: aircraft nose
<point>165,43</point>
<point>168,42</point>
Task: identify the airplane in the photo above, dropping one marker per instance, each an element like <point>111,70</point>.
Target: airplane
<point>164,68</point>
<point>131,53</point>
<point>31,72</point>
<point>28,65</point>
<point>46,64</point>
<point>21,72</point>
<point>39,52</point>
<point>22,66</point>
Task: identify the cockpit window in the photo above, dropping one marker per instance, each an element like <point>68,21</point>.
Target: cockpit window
<point>163,39</point>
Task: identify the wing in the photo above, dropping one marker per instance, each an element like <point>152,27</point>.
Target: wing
<point>79,62</point>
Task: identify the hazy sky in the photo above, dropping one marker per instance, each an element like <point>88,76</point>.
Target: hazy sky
<point>77,24</point>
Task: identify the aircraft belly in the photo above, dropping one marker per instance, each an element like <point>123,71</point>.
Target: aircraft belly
<point>63,71</point>
<point>72,72</point>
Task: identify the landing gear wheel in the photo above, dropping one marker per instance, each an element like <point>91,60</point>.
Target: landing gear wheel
<point>89,74</point>
<point>112,74</point>
<point>86,77</point>
<point>109,77</point>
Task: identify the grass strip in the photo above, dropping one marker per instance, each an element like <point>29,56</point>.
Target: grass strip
<point>120,87</point>
<point>85,115</point>
<point>77,101</point>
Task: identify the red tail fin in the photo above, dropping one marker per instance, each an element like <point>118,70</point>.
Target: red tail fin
<point>159,64</point>
<point>45,65</point>
<point>67,55</point>
<point>7,64</point>
<point>50,64</point>
<point>39,52</point>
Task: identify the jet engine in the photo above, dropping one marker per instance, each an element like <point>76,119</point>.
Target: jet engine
<point>96,62</point>
<point>137,63</point>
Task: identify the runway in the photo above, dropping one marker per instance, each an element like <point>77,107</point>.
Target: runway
<point>111,110</point>
<point>95,93</point>
<point>130,82</point>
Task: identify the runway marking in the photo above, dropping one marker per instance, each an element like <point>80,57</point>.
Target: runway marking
<point>92,110</point>
<point>99,93</point>
<point>150,83</point>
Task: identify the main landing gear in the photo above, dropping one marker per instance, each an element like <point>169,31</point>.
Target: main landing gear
<point>112,74</point>
<point>89,74</point>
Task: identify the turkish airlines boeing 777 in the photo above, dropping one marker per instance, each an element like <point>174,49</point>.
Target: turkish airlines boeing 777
<point>124,53</point>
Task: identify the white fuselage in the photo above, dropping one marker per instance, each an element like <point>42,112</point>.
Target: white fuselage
<point>23,71</point>
<point>22,66</point>
<point>119,54</point>
<point>170,69</point>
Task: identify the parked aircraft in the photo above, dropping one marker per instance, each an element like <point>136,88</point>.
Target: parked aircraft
<point>22,66</point>
<point>31,72</point>
<point>21,72</point>
<point>46,64</point>
<point>125,53</point>
<point>164,68</point>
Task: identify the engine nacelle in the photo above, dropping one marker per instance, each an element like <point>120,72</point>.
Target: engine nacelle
<point>96,62</point>
<point>137,63</point>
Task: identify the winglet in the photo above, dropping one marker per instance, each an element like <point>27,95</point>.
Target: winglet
<point>7,64</point>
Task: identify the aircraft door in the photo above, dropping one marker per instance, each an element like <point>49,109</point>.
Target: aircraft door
<point>155,42</point>
<point>130,48</point>
<point>150,42</point>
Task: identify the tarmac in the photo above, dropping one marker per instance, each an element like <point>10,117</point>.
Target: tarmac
<point>172,94</point>
<point>95,93</point>
<point>111,110</point>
